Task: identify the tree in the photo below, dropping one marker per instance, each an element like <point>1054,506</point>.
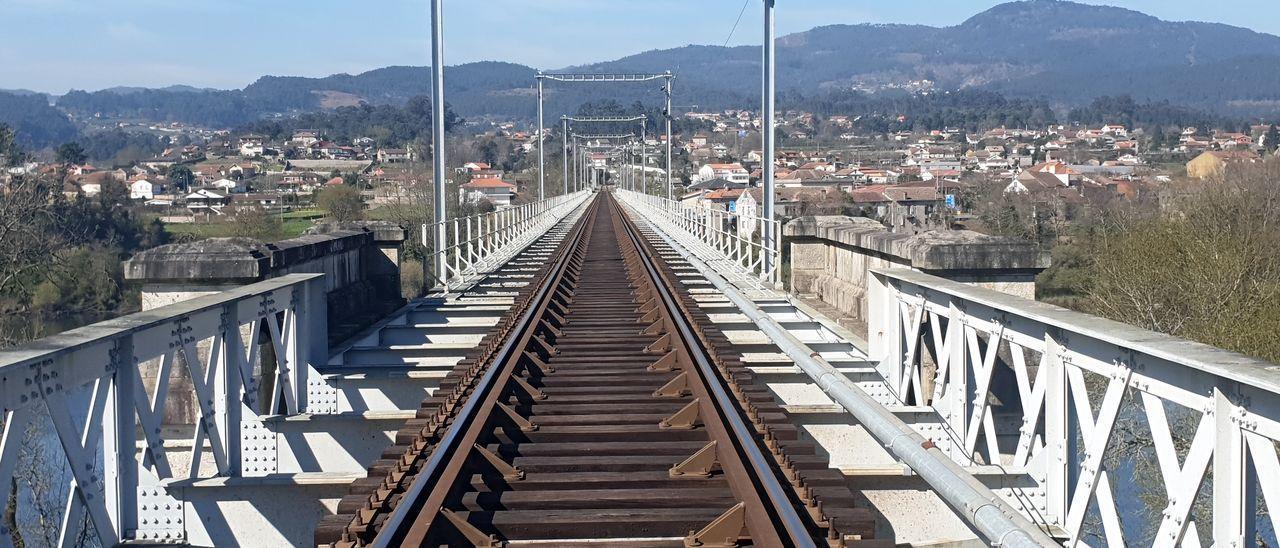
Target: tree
<point>489,152</point>
<point>71,154</point>
<point>113,193</point>
<point>1272,139</point>
<point>342,202</point>
<point>30,235</point>
<point>181,176</point>
<point>255,222</point>
<point>1207,270</point>
<point>1157,139</point>
<point>10,153</point>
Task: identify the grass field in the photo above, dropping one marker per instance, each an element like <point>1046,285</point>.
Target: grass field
<point>290,228</point>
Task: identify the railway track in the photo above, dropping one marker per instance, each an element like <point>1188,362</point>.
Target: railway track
<point>604,410</point>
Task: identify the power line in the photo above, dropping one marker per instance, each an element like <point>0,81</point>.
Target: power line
<point>735,23</point>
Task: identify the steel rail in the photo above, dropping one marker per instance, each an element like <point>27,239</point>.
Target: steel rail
<point>450,451</point>
<point>978,505</point>
<point>781,507</point>
<point>772,517</point>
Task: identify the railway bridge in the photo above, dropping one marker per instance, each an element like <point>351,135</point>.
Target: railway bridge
<point>613,368</point>
<point>608,366</point>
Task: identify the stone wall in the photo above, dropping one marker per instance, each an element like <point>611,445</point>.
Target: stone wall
<point>831,259</point>
<point>360,263</point>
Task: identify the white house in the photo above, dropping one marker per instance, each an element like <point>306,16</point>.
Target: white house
<point>227,185</point>
<point>206,201</point>
<point>306,137</point>
<point>251,146</point>
<point>733,173</point>
<point>141,189</point>
<point>496,191</point>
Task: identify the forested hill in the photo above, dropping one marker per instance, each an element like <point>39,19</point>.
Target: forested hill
<point>35,123</point>
<point>1064,53</point>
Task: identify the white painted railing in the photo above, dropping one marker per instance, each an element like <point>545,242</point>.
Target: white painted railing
<point>1065,398</point>
<point>90,381</point>
<point>479,243</point>
<point>737,237</point>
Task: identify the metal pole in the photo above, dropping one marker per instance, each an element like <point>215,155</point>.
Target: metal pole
<point>670,81</point>
<point>437,130</point>
<point>769,124</point>
<point>542,161</point>
<point>565,173</point>
<point>644,161</point>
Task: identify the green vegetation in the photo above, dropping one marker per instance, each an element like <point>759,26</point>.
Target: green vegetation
<point>121,147</point>
<point>1125,111</point>
<point>969,110</point>
<point>268,228</point>
<point>387,125</point>
<point>1200,262</point>
<point>206,108</point>
<point>343,203</point>
<point>1207,270</point>
<point>71,154</point>
<point>36,124</point>
<point>61,256</point>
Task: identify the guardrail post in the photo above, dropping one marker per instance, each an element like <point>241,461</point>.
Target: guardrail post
<point>457,249</point>
<point>1231,522</point>
<point>1059,434</point>
<point>309,348</point>
<point>228,388</point>
<point>882,328</point>
<point>471,250</point>
<point>119,431</point>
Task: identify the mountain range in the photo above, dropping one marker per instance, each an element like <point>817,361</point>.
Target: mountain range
<point>1062,52</point>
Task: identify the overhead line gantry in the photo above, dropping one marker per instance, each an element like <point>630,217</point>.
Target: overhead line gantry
<point>643,119</point>
<point>668,78</point>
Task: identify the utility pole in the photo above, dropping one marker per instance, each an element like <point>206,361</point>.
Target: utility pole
<point>437,131</point>
<point>542,160</point>
<point>769,132</point>
<point>670,80</point>
<point>565,139</point>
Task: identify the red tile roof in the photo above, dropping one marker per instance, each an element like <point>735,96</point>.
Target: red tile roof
<point>488,183</point>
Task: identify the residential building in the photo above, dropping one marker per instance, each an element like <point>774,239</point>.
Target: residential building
<point>252,146</point>
<point>730,172</point>
<point>305,137</point>
<point>1212,163</point>
<point>496,191</point>
<point>141,189</point>
<point>393,155</point>
<point>207,202</point>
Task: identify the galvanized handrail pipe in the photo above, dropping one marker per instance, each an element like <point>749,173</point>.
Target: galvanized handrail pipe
<point>993,518</point>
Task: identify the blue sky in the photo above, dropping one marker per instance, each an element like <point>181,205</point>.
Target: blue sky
<point>54,45</point>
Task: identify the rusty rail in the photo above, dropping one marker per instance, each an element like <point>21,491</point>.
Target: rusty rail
<point>605,409</point>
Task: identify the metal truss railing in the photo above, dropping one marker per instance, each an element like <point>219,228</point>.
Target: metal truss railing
<point>1081,406</point>
<point>479,243</point>
<point>90,382</point>
<point>604,77</point>
<point>734,236</point>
